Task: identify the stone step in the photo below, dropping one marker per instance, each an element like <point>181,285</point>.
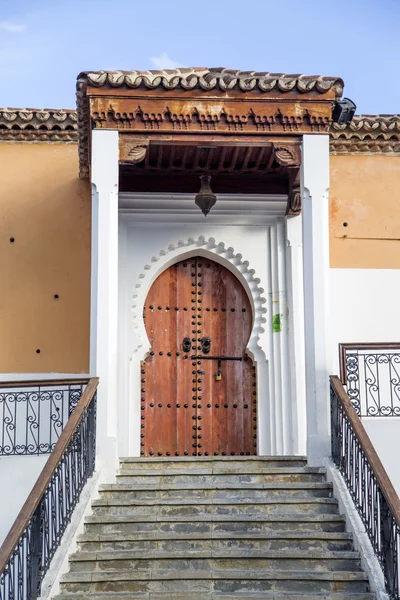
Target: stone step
<point>145,477</point>
<point>148,542</point>
<point>223,469</point>
<point>219,506</point>
<point>227,490</point>
<point>233,524</point>
<point>348,595</point>
<point>215,560</point>
<point>230,528</point>
<point>221,581</point>
<point>212,462</point>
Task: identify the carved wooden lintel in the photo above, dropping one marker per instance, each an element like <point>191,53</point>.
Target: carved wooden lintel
<point>154,114</point>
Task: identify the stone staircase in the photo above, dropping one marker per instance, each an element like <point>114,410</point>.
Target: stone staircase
<point>196,529</point>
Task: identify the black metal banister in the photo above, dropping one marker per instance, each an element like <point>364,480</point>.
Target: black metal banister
<point>37,531</point>
<point>42,382</point>
<point>370,373</point>
<point>34,413</point>
<point>372,492</point>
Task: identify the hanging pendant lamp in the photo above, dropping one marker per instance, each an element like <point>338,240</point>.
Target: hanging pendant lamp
<point>206,198</point>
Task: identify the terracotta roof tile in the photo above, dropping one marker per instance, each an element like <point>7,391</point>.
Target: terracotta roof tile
<point>367,134</point>
<point>38,125</point>
<point>209,79</point>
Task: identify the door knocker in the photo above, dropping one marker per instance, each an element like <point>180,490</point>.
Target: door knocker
<point>205,345</point>
<point>186,344</point>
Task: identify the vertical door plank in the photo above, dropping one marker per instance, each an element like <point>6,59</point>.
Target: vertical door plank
<point>167,408</point>
<point>228,424</point>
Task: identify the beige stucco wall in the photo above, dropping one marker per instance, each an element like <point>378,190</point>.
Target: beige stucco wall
<point>365,194</point>
<point>46,209</point>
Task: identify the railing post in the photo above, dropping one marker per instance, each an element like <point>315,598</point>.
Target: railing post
<point>91,436</point>
<point>388,547</point>
<point>335,443</point>
<point>35,553</point>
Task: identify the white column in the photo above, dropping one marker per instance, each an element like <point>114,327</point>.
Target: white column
<point>281,414</point>
<point>315,192</point>
<point>294,257</point>
<point>104,293</point>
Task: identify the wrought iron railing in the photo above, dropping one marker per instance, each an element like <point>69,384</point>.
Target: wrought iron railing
<point>36,534</point>
<point>370,488</point>
<point>371,376</point>
<point>34,413</point>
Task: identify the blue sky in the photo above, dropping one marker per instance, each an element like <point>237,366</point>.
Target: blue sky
<point>44,44</point>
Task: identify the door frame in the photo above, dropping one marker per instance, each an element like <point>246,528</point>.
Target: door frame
<point>305,255</point>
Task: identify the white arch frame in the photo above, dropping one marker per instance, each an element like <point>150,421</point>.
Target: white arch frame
<point>227,257</point>
<point>216,251</point>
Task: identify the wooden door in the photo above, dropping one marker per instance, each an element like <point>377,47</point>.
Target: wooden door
<point>198,387</point>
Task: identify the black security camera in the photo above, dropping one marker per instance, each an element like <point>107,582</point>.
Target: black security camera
<point>343,111</point>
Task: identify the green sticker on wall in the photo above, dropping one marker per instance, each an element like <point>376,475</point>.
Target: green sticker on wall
<point>277,323</point>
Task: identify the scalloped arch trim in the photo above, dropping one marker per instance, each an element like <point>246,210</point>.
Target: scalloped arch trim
<point>216,251</point>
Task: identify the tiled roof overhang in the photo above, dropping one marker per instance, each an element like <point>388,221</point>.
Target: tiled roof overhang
<point>210,79</point>
<point>33,125</point>
<point>196,83</point>
<point>367,134</point>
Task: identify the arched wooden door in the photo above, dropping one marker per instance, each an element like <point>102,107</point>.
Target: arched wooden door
<point>198,387</point>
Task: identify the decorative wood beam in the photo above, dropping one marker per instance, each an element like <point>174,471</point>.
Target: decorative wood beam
<point>159,157</point>
<point>286,155</point>
<point>259,158</point>
<point>234,159</point>
<point>247,158</point>
<point>294,198</point>
<point>185,139</point>
<point>184,158</point>
<point>133,150</point>
<point>222,159</point>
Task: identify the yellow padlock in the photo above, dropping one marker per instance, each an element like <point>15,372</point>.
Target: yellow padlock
<point>218,375</point>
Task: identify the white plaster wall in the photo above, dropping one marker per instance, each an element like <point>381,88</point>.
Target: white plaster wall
<point>365,308</point>
<point>18,474</point>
